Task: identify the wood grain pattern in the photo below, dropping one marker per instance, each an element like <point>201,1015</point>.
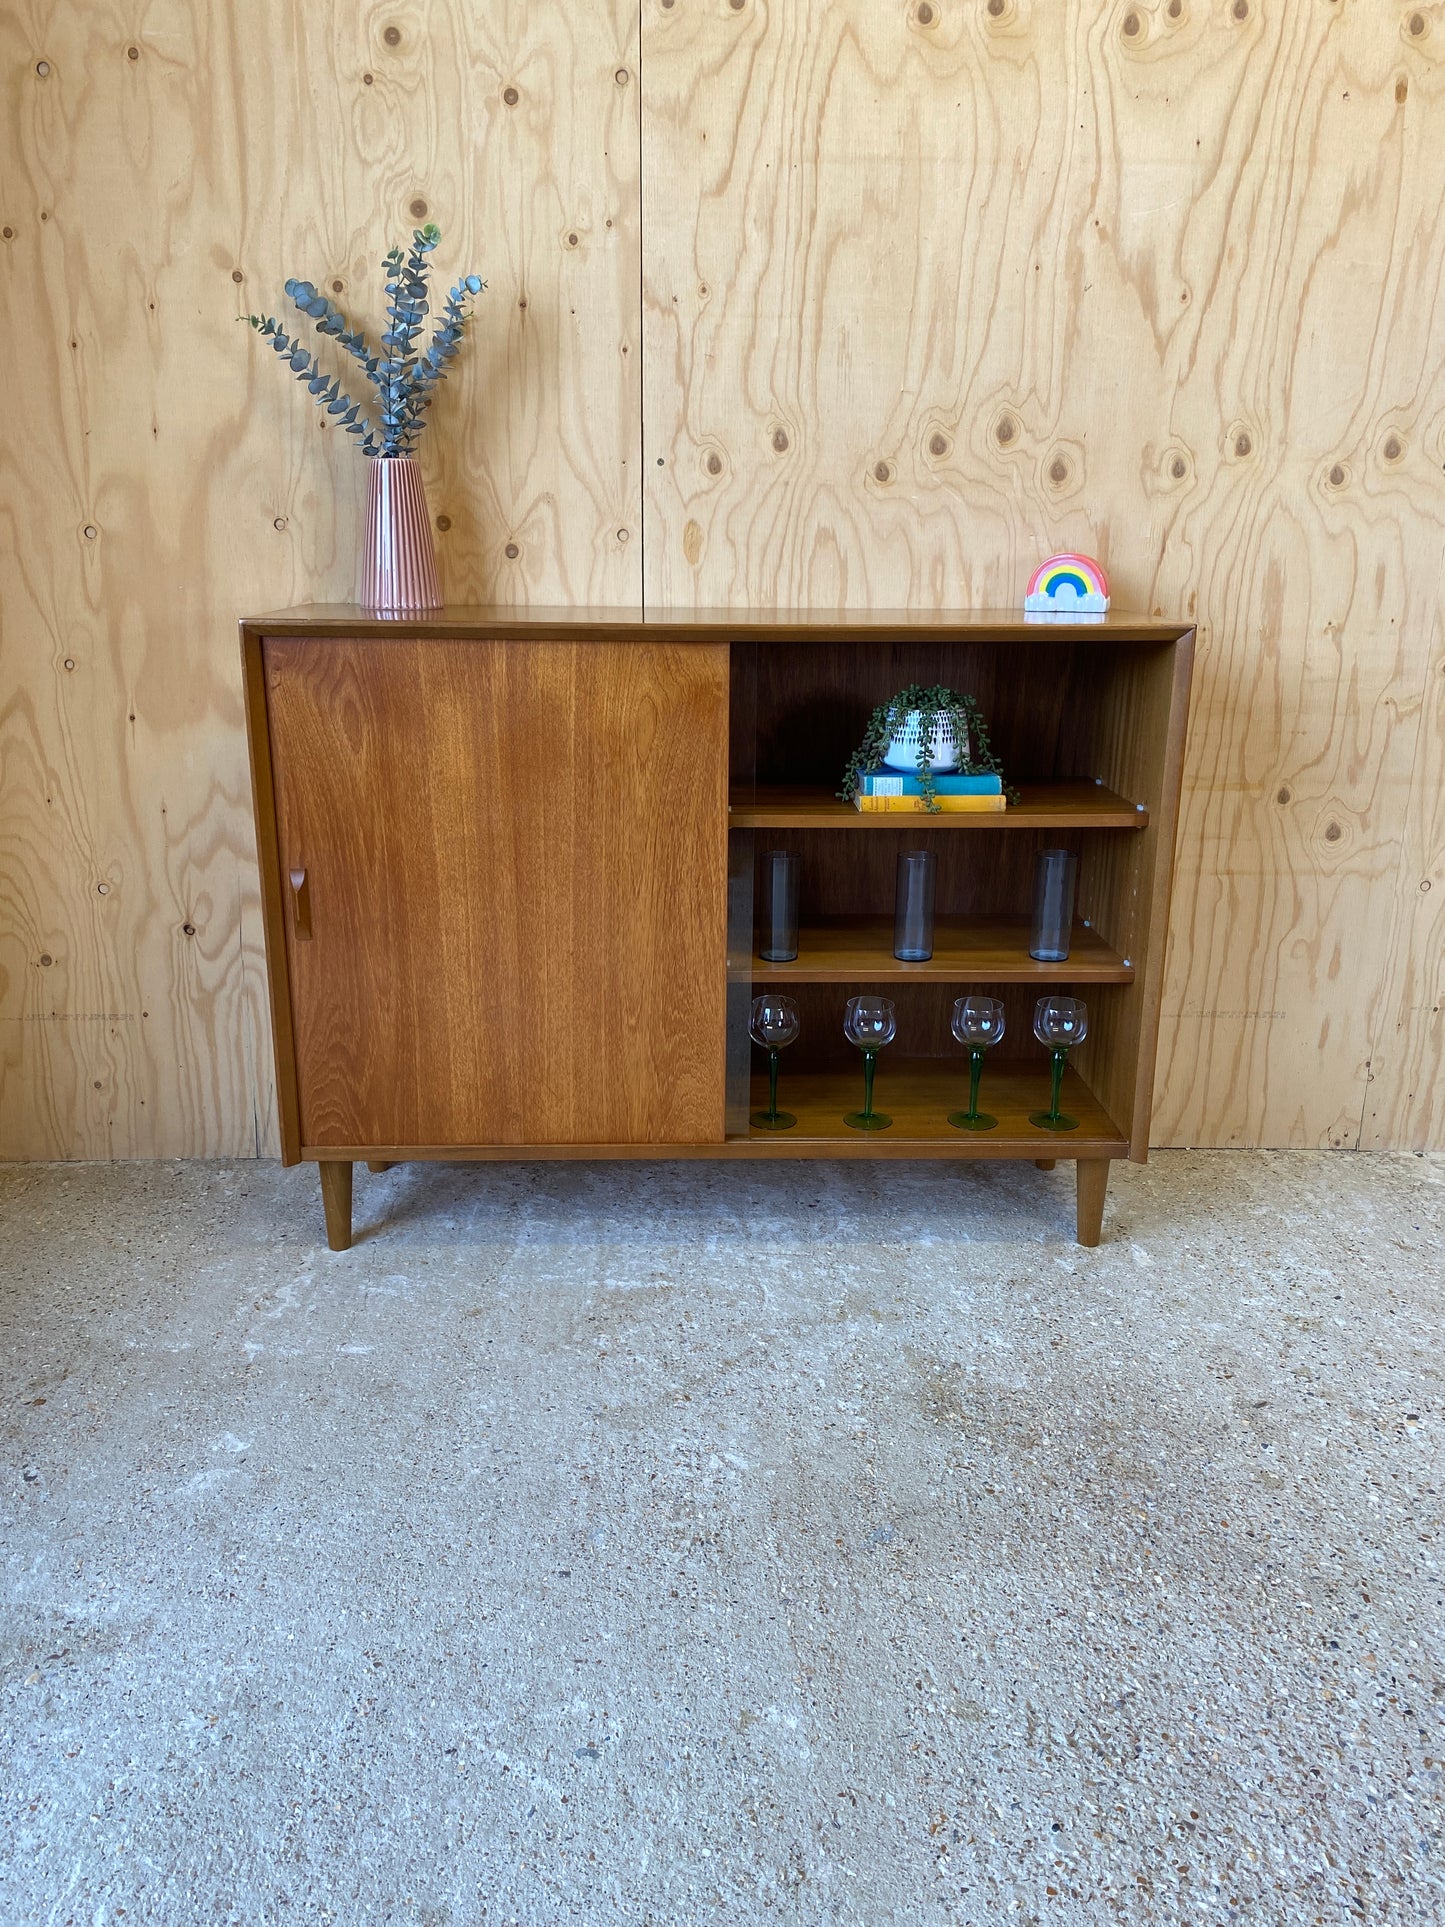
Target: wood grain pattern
<point>918,1095</point>
<point>925,299</point>
<point>409,804</point>
<point>966,950</point>
<point>516,864</point>
<point>873,628</point>
<point>159,477</point>
<point>1405,1107</point>
<point>918,302</point>
<point>1091,1181</point>
<point>336,1202</point>
<point>1041,806</point>
<point>1133,710</point>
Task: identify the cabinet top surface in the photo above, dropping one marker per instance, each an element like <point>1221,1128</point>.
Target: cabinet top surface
<point>489,621</point>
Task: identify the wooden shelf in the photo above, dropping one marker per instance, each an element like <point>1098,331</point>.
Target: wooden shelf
<point>876,628</point>
<point>979,950</point>
<point>1041,806</point>
<point>918,1094</point>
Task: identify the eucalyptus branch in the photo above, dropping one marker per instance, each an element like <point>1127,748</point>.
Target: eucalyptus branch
<point>401,378</point>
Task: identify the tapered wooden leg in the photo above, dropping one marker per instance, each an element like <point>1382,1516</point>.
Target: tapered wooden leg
<point>1045,1164</point>
<point>1092,1180</point>
<point>378,1165</point>
<point>336,1202</point>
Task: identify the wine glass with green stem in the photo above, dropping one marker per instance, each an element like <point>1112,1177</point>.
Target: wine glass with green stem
<point>978,1023</point>
<point>1059,1024</point>
<point>870,1023</point>
<point>773,1023</point>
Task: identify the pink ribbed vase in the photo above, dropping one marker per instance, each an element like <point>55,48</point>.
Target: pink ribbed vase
<point>398,563</point>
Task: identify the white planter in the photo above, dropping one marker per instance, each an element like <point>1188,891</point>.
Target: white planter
<point>906,747</point>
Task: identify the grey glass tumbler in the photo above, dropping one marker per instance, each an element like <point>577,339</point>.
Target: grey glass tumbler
<point>1056,876</point>
<point>780,907</point>
<point>913,906</point>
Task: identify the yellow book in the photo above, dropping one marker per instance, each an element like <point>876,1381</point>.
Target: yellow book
<point>916,805</point>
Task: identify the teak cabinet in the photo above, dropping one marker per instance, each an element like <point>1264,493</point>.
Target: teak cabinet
<point>508,880</point>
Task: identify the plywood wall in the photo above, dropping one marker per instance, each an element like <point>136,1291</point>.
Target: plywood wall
<point>934,289</point>
<point>158,478</point>
<point>791,300</point>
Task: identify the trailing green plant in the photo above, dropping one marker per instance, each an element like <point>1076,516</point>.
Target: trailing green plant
<point>402,376</point>
<point>934,705</point>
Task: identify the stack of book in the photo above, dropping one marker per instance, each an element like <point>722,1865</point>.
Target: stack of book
<point>888,790</point>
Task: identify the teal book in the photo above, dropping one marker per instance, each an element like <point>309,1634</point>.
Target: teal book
<point>892,782</point>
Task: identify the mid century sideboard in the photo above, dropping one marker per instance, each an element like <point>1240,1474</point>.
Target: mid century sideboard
<point>507,867</point>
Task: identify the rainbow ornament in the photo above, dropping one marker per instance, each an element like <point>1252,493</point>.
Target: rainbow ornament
<point>1067,585</point>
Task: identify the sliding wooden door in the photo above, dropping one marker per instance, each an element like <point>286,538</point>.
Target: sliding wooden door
<point>504,870</point>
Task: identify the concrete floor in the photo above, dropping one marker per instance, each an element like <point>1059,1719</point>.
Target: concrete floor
<point>827,1543</point>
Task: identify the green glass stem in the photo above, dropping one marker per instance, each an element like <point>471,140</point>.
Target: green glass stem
<point>772,1086</point>
<point>870,1059</point>
<point>975,1072</point>
<point>1057,1083</point>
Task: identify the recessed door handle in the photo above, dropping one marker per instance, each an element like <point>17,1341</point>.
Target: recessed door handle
<point>300,905</point>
